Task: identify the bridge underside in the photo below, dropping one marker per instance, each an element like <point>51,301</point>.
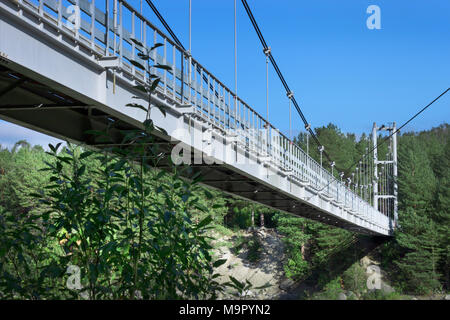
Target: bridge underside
<point>34,105</point>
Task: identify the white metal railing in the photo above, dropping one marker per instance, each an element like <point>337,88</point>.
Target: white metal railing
<point>212,100</point>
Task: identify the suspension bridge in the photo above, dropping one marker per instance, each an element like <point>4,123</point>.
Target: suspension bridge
<point>63,80</point>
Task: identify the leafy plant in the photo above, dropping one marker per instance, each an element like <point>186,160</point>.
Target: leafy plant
<point>243,288</point>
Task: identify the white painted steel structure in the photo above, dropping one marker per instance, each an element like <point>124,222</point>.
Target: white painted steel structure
<point>63,81</point>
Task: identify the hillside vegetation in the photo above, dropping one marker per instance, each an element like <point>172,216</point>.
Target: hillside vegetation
<point>136,232</point>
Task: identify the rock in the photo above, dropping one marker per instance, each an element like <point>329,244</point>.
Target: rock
<point>247,293</point>
<point>286,284</point>
<point>342,296</point>
<point>447,297</point>
<point>351,295</point>
<point>84,295</point>
<point>138,295</point>
<point>385,288</point>
<point>289,296</point>
<point>268,269</point>
<point>365,262</point>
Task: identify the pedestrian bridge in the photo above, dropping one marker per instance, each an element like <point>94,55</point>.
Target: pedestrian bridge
<point>63,81</point>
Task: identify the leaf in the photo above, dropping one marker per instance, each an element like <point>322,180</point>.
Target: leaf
<point>136,105</point>
<point>237,283</point>
<point>185,197</point>
<point>201,207</point>
<point>157,45</point>
<point>81,170</point>
<point>137,64</point>
<point>160,175</point>
<point>161,109</point>
<point>140,87</point>
<point>57,146</point>
<point>220,262</point>
<point>137,42</point>
<point>204,222</point>
<point>143,56</point>
<point>163,66</point>
<point>162,130</point>
<point>148,124</point>
<point>197,177</point>
<point>208,194</point>
<point>95,133</point>
<point>154,84</point>
<point>86,154</point>
<point>52,147</point>
<point>167,216</point>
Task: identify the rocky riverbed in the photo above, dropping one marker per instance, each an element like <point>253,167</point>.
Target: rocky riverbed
<point>267,269</point>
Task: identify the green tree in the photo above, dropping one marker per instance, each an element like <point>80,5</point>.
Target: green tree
<point>443,212</point>
<point>419,237</point>
<point>416,183</point>
<point>295,239</point>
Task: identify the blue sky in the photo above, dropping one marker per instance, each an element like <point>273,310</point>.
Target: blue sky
<point>340,71</point>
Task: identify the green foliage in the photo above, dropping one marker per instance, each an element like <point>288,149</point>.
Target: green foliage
<point>242,218</point>
<point>296,266</point>
<point>294,238</point>
<point>20,175</point>
<point>417,183</point>
<point>381,295</point>
<point>137,232</point>
<point>239,244</point>
<point>341,147</point>
<point>419,266</point>
<point>328,240</point>
<point>419,259</point>
<point>242,212</point>
<point>422,237</point>
<point>330,291</point>
<point>354,278</point>
<point>243,287</point>
<point>251,245</point>
<point>128,227</point>
<point>254,248</point>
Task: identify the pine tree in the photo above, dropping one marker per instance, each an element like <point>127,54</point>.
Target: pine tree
<point>443,212</point>
<point>418,235</point>
<point>416,183</point>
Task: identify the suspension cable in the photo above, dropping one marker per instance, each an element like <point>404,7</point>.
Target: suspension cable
<point>403,125</point>
<point>190,27</point>
<point>235,49</point>
<point>177,41</point>
<point>397,130</point>
<point>280,76</point>
<point>165,24</point>
<point>267,53</point>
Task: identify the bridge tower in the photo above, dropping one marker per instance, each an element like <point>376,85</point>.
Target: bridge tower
<point>385,189</point>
